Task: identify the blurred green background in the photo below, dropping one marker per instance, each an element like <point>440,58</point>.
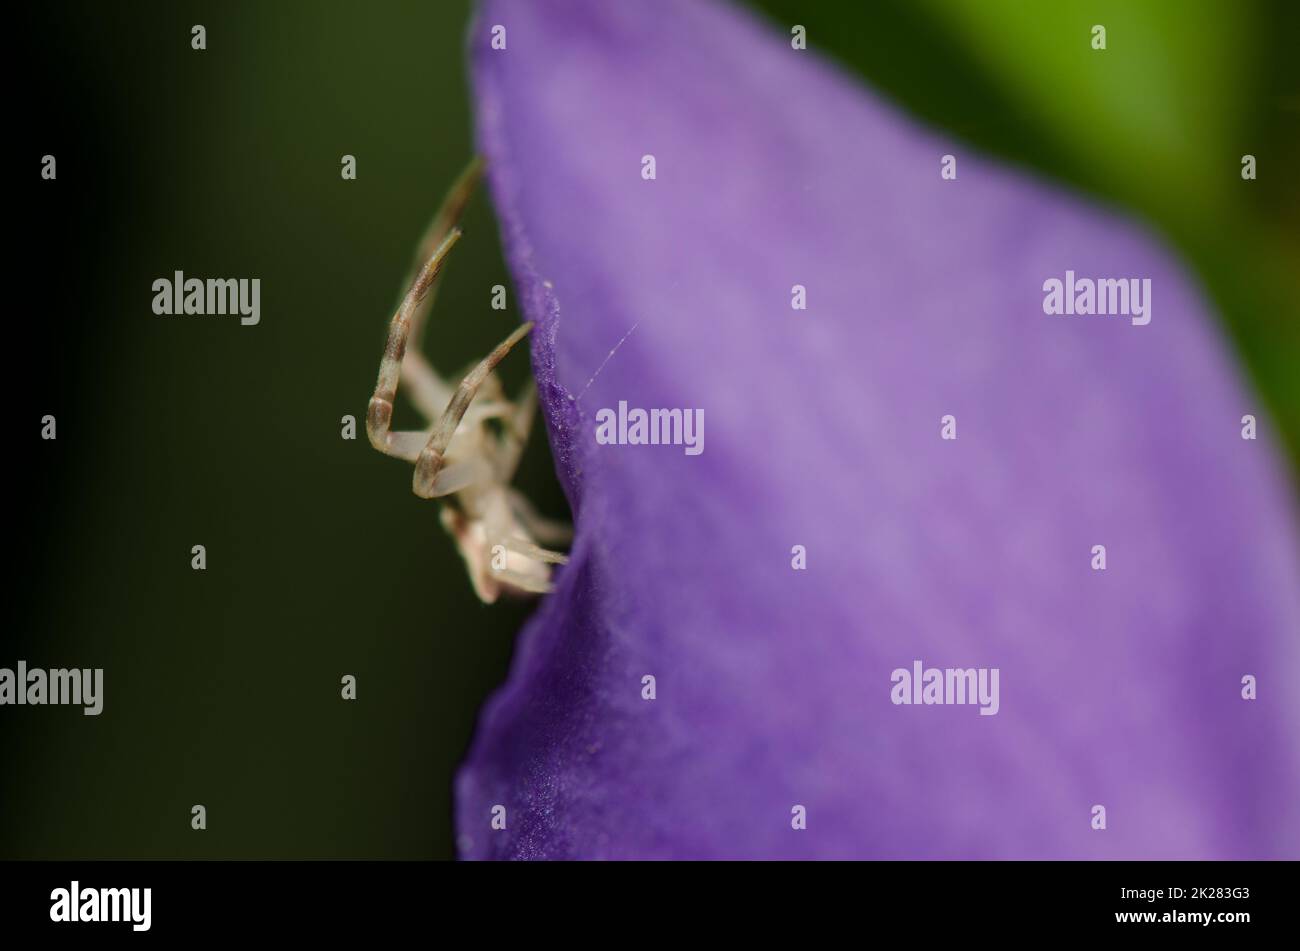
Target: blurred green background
<point>222,686</point>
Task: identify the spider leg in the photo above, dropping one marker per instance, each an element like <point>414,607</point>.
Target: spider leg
<point>525,546</point>
<point>379,415</point>
<point>430,393</point>
<point>429,480</point>
<point>449,213</point>
<point>524,582</point>
<point>536,525</point>
<point>516,433</point>
<point>427,390</point>
<point>548,531</point>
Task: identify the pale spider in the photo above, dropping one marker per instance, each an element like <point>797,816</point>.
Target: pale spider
<point>471,449</point>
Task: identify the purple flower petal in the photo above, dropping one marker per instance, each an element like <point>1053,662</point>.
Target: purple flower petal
<point>1119,687</point>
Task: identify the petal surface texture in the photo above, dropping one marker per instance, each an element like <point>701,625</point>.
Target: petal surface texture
<point>1119,688</point>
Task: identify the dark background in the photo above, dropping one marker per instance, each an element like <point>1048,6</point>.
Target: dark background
<point>222,686</point>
